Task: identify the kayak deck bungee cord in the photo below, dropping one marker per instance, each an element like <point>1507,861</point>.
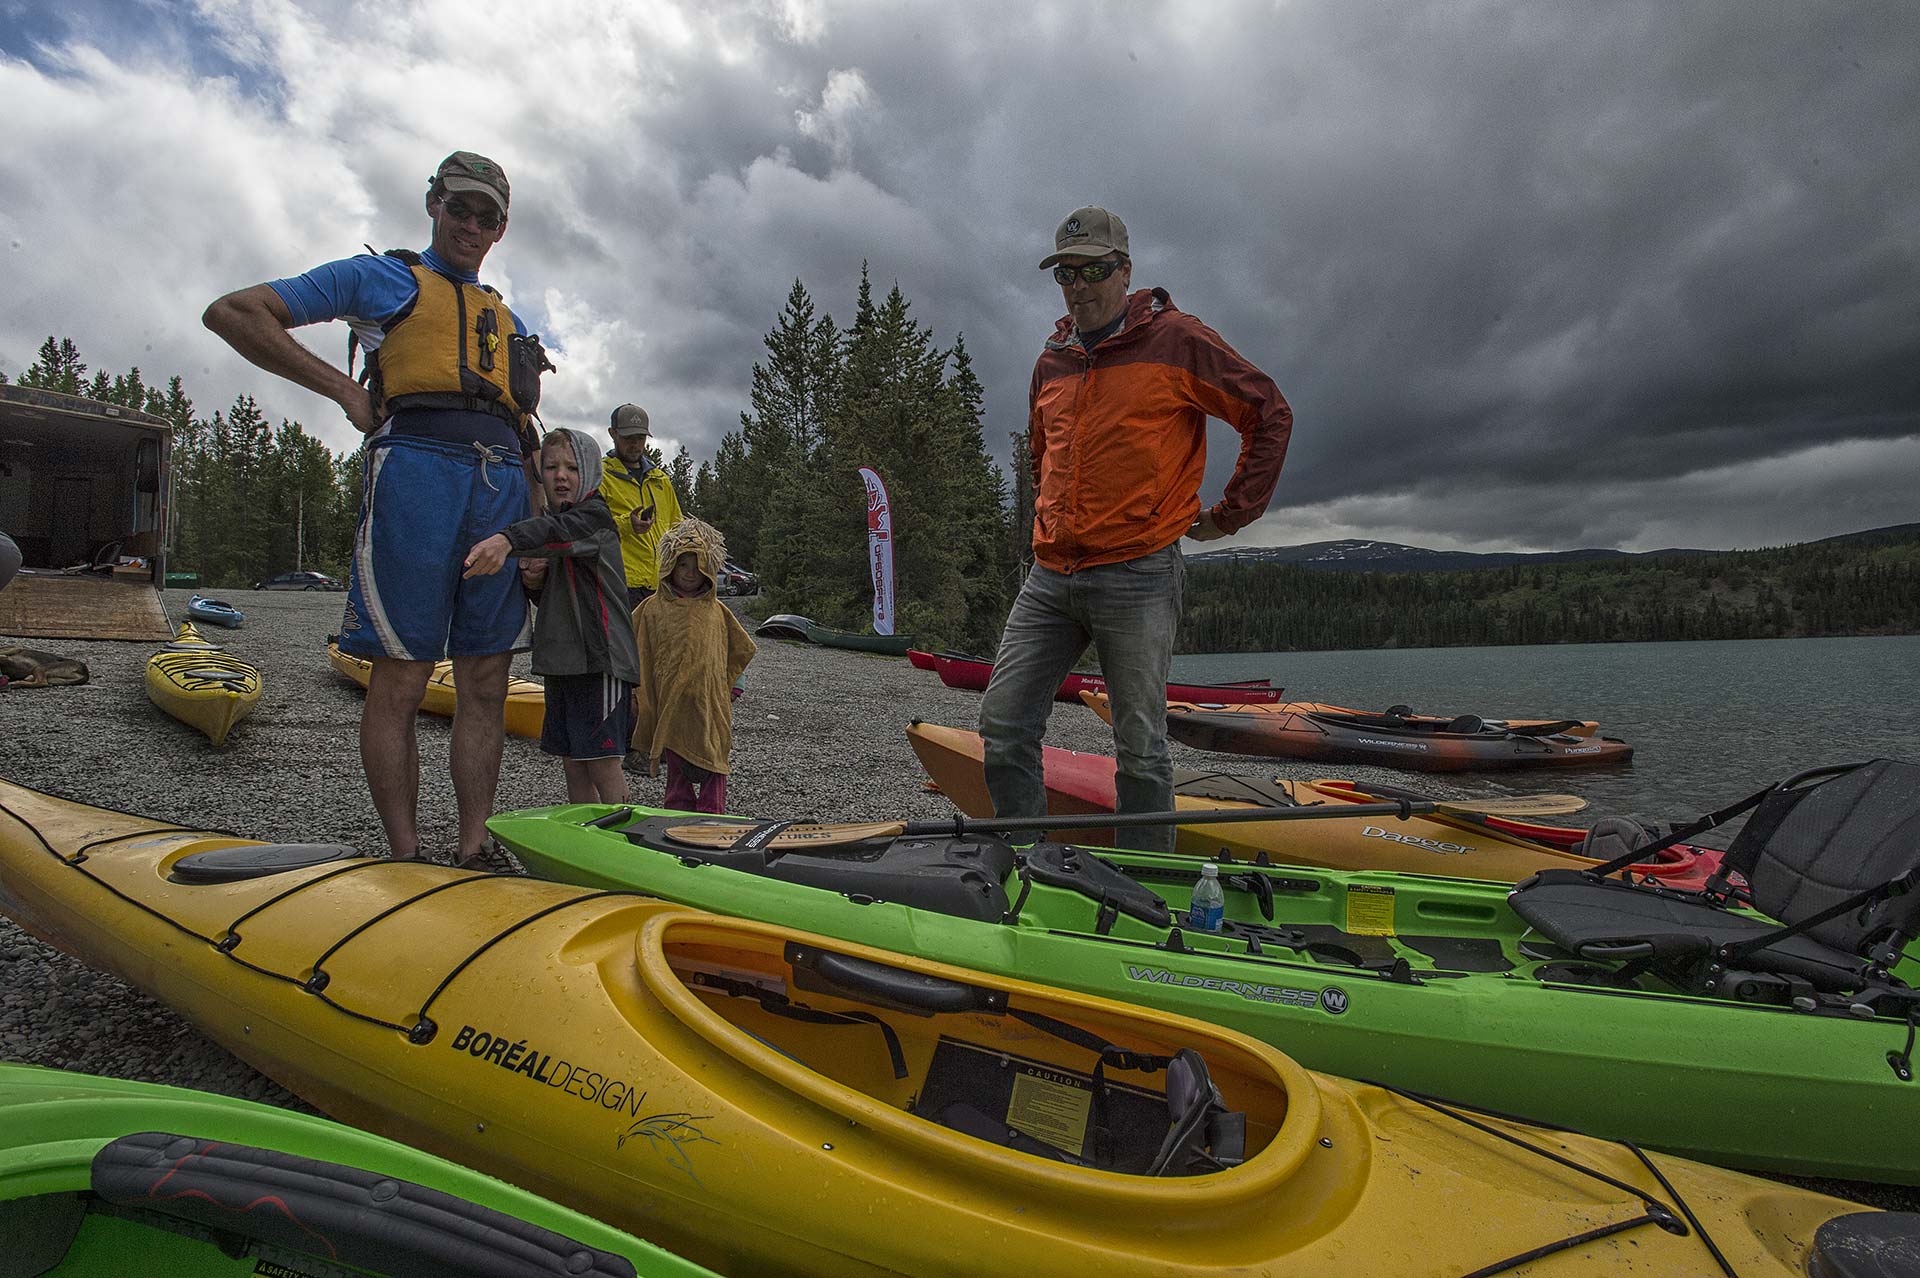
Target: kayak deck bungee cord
<point>1421,982</point>
<point>201,684</point>
<point>760,1100</point>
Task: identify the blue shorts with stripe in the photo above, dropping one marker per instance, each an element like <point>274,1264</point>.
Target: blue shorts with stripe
<point>589,716</point>
<point>427,502</point>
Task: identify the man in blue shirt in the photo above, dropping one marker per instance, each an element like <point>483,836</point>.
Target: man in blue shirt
<point>444,413</point>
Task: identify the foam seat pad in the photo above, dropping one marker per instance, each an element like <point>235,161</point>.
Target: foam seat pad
<point>1574,912</point>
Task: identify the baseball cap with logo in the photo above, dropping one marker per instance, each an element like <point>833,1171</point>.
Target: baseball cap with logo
<point>629,419</point>
<point>466,171</point>
<point>1088,232</point>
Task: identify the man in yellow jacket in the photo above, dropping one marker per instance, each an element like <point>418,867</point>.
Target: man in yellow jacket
<point>642,500</point>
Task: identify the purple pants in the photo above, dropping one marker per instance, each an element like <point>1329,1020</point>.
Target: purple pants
<point>691,789</point>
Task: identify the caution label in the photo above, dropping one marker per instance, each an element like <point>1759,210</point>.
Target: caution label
<point>1051,1108</point>
<point>1369,909</point>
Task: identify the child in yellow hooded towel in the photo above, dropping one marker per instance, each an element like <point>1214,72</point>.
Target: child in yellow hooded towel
<point>692,652</point>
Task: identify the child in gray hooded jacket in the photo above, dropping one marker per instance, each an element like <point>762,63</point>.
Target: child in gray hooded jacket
<point>582,632</point>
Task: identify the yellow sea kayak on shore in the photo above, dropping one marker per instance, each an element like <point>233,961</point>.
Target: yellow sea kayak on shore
<point>766,1102</point>
<point>526,707</point>
<point>202,684</point>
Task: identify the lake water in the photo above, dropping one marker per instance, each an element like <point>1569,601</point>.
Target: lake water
<point>1709,721</point>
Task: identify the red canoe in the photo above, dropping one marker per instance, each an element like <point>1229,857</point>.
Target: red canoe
<point>970,674</point>
<point>1454,844</point>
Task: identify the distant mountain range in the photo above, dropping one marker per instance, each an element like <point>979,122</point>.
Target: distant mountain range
<point>1388,556</point>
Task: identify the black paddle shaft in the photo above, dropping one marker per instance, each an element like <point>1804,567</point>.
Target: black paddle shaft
<point>1398,808</point>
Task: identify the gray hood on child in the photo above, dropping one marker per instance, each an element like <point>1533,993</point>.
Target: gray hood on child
<point>586,453</point>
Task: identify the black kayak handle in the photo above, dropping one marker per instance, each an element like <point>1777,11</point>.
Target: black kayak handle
<point>342,1214</point>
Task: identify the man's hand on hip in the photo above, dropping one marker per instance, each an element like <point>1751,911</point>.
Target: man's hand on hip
<point>358,406</point>
<point>1204,529</point>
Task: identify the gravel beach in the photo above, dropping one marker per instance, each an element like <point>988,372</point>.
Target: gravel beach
<point>818,734</point>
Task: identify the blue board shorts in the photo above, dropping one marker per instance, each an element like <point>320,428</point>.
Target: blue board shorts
<point>427,502</point>
<point>589,716</point>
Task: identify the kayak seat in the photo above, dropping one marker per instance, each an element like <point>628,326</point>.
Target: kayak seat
<point>1075,869</point>
<point>1084,1118</point>
<point>1621,922</point>
<point>257,860</point>
<point>1202,1134</point>
<point>1466,724</point>
<point>1610,837</point>
<point>1831,857</point>
<point>961,876</point>
<point>1225,787</point>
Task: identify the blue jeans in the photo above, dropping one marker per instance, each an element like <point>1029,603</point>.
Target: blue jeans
<point>1128,611</point>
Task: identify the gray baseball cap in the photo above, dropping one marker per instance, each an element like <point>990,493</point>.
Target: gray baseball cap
<point>466,171</point>
<point>629,419</point>
<point>1088,232</point>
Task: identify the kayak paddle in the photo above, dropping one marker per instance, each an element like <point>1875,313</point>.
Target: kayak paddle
<point>785,837</point>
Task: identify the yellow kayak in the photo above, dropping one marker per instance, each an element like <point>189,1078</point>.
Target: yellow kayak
<point>526,700</point>
<point>202,684</point>
<point>766,1102</point>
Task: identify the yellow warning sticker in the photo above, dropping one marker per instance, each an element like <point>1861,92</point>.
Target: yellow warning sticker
<point>1050,1108</point>
<point>1369,909</point>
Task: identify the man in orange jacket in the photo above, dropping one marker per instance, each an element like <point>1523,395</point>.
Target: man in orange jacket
<point>1117,416</point>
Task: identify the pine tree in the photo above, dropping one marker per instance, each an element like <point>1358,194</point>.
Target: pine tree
<point>59,368</point>
<point>680,474</point>
<point>987,571</point>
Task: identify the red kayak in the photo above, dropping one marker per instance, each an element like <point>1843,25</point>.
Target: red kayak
<point>1457,844</point>
<point>970,674</point>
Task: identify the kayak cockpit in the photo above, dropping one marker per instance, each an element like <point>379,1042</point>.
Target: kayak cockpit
<point>970,1065</point>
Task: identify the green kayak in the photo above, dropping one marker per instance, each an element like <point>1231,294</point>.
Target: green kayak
<point>100,1176</point>
<point>1430,984</point>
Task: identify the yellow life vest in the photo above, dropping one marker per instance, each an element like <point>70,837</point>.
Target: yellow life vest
<point>448,351</point>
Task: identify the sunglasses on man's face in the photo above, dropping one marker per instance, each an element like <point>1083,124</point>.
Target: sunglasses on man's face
<point>1091,272</point>
<point>484,216</point>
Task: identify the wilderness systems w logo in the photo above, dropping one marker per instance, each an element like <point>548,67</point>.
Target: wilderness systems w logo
<point>1252,991</point>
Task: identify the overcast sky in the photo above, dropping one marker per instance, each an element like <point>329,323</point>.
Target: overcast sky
<point>1533,275</point>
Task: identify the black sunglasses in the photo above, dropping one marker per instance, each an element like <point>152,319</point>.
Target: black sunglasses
<point>1091,272</point>
<point>486,217</point>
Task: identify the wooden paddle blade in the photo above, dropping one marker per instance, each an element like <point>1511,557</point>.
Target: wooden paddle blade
<point>1527,805</point>
<point>721,837</point>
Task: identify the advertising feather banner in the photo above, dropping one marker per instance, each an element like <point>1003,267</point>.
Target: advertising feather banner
<point>880,550</point>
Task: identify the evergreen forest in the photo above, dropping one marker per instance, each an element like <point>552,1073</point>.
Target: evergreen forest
<point>1867,584</point>
<point>252,498</point>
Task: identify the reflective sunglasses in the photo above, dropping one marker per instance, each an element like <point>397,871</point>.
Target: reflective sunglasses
<point>1091,272</point>
<point>484,216</point>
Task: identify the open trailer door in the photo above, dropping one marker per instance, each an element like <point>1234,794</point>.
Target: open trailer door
<point>84,492</point>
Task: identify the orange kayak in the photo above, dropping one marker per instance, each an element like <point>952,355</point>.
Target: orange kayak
<point>1452,844</point>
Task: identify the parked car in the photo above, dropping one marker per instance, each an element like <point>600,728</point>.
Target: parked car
<point>735,580</point>
<point>306,579</point>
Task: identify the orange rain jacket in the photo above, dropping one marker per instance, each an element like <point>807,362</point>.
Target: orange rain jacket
<point>1119,436</point>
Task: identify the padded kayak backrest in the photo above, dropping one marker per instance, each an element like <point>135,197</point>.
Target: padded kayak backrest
<point>1202,1135</point>
<point>1810,846</point>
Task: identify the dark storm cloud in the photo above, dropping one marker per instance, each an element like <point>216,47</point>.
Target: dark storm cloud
<point>1532,274</point>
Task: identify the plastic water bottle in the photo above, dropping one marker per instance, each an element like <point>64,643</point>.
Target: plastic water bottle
<point>1209,904</point>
